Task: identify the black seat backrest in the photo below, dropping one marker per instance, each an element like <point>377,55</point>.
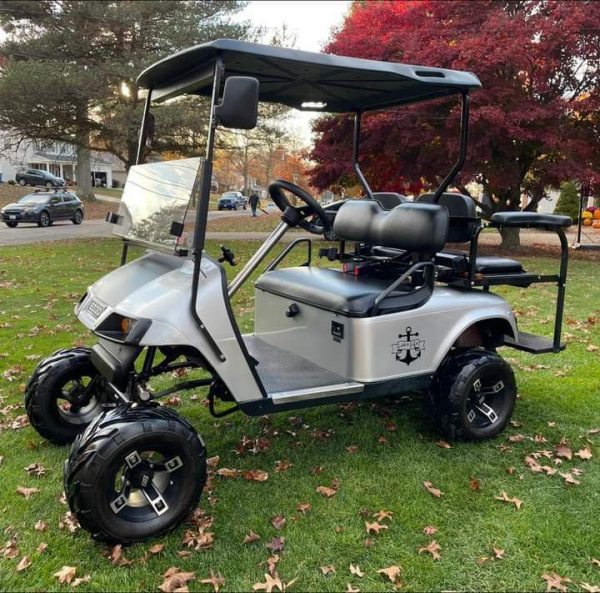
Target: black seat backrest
<point>412,226</point>
<point>463,215</point>
<point>389,200</point>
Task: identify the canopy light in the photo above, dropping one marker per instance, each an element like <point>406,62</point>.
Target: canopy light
<point>313,105</point>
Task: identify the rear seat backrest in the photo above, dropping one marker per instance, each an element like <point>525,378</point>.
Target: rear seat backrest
<point>412,226</point>
<point>462,213</point>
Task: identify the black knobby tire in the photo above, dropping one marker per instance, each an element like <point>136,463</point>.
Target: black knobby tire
<point>78,218</point>
<point>106,494</point>
<point>472,396</point>
<point>12,225</point>
<point>44,220</point>
<point>49,386</point>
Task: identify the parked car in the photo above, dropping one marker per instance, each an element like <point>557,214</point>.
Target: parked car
<point>232,200</point>
<point>38,177</point>
<point>44,208</point>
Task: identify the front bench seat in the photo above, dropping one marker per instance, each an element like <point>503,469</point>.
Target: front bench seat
<point>420,228</point>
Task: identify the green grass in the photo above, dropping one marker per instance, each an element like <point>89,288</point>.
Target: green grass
<point>555,530</point>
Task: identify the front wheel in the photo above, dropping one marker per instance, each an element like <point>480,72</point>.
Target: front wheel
<point>472,396</point>
<point>135,473</point>
<point>22,182</point>
<point>49,184</point>
<point>64,394</point>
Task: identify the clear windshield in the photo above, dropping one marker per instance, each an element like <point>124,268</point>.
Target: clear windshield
<point>156,195</point>
<point>33,199</point>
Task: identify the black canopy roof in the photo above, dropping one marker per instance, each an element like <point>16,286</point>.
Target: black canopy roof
<point>294,77</point>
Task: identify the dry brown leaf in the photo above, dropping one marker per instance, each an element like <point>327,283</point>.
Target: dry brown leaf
<point>589,588</point>
<point>35,469</point>
<point>272,563</point>
<point>352,449</point>
<point>443,444</point>
<point>351,589</point>
<point>212,462</point>
<point>563,451</point>
<point>585,453</point>
<point>201,540</point>
<point>278,522</point>
<point>355,570</point>
<point>593,348</point>
<point>226,472</point>
<point>216,580</point>
<point>368,542</point>
<point>433,548</point>
<point>41,526</point>
<point>382,515</point>
<point>516,438</point>
<point>10,549</point>
<point>595,562</point>
<point>554,582</point>
<point>156,549</point>
<point>41,548</point>
<point>303,507</point>
<point>569,478</point>
<point>433,491</point>
<point>374,527</point>
<point>474,484</point>
<point>174,579</point>
<point>27,492</point>
<point>70,522</point>
<point>282,465</point>
<point>498,553</point>
<point>391,572</point>
<point>24,564</point>
<point>505,498</point>
<point>328,569</point>
<point>80,580</point>
<point>326,491</point>
<point>430,530</point>
<point>276,544</point>
<point>117,558</point>
<point>271,582</point>
<point>251,538</point>
<point>256,475</point>
<point>66,574</point>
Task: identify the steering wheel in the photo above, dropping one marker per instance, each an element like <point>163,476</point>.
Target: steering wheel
<point>318,223</point>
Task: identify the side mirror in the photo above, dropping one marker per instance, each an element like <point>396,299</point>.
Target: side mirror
<point>239,106</point>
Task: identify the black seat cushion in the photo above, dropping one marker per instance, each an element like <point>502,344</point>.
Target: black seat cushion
<point>388,199</point>
<point>530,220</point>
<point>412,226</point>
<point>337,291</point>
<point>487,265</point>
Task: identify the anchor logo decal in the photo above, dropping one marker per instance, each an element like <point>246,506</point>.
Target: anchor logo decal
<point>408,347</point>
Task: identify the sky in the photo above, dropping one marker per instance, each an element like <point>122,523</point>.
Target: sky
<point>311,22</point>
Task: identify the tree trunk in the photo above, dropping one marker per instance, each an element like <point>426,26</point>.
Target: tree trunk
<point>83,174</point>
<point>510,238</point>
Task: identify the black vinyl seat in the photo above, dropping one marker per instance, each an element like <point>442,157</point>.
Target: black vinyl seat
<point>339,292</point>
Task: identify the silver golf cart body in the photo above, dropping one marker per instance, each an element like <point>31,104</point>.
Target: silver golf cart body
<point>322,352</point>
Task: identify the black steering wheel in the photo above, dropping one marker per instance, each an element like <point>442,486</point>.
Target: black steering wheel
<point>318,223</point>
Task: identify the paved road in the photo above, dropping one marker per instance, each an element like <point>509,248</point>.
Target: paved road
<point>61,230</point>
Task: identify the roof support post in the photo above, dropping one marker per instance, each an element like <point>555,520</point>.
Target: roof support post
<point>355,147</point>
<point>464,136</point>
<point>142,136</point>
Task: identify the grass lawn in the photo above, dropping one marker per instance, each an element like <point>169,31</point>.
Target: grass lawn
<point>380,452</point>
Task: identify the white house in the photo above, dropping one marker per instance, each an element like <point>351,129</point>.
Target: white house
<point>59,158</point>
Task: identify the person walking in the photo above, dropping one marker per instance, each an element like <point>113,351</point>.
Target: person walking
<point>254,202</point>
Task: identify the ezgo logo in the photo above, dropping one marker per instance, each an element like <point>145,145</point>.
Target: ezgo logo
<point>408,347</point>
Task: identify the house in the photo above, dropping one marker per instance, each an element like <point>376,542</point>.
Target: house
<point>59,158</point>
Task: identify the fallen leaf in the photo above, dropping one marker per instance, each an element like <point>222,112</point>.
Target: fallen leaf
<point>593,348</point>
<point>474,484</point>
<point>226,472</point>
<point>325,491</point>
<point>80,580</point>
<point>201,540</point>
<point>36,469</point>
<point>595,562</point>
<point>433,491</point>
<point>433,548</point>
<point>355,570</point>
<point>498,553</point>
<point>216,580</point>
<point>70,522</point>
<point>40,526</point>
<point>156,548</point>
<point>328,569</point>
<point>271,581</point>
<point>351,589</point>
<point>430,530</point>
<point>554,582</point>
<point>117,558</point>
<point>516,438</point>
<point>585,453</point>
<point>272,563</point>
<point>212,462</point>
<point>10,549</point>
<point>569,478</point>
<point>505,498</point>
<point>278,522</point>
<point>318,469</point>
<point>382,515</point>
<point>303,507</point>
<point>443,445</point>
<point>251,538</point>
<point>42,548</point>
<point>391,572</point>
<point>590,588</point>
<point>374,527</point>
<point>563,451</point>
<point>276,544</point>
<point>66,574</point>
<point>256,475</point>
<point>352,449</point>
<point>282,466</point>
<point>511,470</point>
<point>23,564</point>
<point>27,492</point>
<point>368,542</point>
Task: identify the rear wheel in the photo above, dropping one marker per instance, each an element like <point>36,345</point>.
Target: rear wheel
<point>135,473</point>
<point>12,224</point>
<point>78,218</point>
<point>44,220</point>
<point>64,394</point>
<point>473,395</point>
<point>48,184</point>
<point>22,181</point>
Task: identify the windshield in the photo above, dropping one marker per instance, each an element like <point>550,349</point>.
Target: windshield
<point>230,194</point>
<point>34,199</point>
<point>156,195</point>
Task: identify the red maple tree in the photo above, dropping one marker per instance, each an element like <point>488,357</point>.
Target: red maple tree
<point>533,124</point>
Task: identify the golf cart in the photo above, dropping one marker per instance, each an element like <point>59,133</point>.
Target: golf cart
<point>392,311</point>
